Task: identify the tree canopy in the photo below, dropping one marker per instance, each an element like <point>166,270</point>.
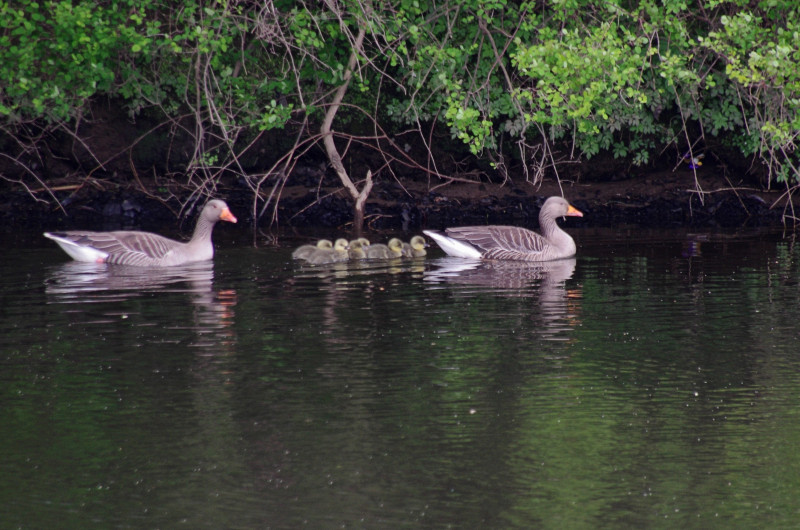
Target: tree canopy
<point>520,84</point>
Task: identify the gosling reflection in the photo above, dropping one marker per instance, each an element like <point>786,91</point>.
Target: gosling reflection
<point>359,268</point>
<point>544,282</point>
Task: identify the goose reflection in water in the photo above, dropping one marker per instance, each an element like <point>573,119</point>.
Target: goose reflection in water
<point>544,281</point>
<point>501,275</point>
<point>86,283</point>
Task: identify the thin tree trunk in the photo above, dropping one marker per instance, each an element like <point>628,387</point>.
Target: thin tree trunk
<point>359,197</point>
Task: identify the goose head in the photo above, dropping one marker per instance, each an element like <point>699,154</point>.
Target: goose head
<point>217,210</point>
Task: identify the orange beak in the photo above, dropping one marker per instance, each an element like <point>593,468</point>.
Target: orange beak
<point>226,215</point>
<point>574,211</point>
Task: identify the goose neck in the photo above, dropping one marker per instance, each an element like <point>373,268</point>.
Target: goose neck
<point>202,231</point>
<point>548,225</point>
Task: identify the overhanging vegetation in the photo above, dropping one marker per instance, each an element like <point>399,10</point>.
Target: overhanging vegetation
<point>523,85</point>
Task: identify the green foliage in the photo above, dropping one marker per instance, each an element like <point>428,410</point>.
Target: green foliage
<point>614,78</point>
<point>589,82</point>
<point>760,64</point>
<point>55,54</point>
<point>584,76</point>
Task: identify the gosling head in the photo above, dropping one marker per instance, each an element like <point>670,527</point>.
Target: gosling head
<point>418,243</point>
<point>356,250</point>
<point>395,245</point>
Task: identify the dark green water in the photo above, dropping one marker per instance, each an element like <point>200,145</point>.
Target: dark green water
<point>652,382</point>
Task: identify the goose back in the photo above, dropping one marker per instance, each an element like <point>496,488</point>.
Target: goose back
<point>512,243</point>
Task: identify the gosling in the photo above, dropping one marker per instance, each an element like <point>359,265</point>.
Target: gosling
<point>415,248</point>
<point>303,251</point>
<point>394,249</point>
<point>337,254</point>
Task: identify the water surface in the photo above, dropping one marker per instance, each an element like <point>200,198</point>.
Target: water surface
<point>650,382</point>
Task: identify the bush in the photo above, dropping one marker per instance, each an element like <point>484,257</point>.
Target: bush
<point>510,80</point>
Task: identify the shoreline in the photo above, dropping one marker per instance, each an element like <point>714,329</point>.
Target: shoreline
<point>658,200</point>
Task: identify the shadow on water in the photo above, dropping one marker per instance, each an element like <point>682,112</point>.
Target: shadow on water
<point>362,269</point>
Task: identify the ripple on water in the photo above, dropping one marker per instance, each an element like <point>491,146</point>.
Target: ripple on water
<point>637,381</point>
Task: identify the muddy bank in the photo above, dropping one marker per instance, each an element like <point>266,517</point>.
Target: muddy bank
<point>140,184</point>
<point>659,200</point>
<point>606,205</point>
<point>145,188</point>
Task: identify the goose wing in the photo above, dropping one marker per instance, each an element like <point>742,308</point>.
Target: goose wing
<point>501,242</point>
<point>124,247</point>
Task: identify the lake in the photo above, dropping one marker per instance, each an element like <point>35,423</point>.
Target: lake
<point>652,381</point>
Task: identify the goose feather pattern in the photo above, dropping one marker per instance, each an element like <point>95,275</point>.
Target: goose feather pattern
<point>497,242</point>
<point>145,249</point>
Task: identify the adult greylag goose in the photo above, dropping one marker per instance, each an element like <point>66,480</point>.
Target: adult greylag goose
<point>324,256</point>
<point>303,251</point>
<point>145,249</point>
<point>393,249</point>
<point>415,248</point>
<point>512,242</point>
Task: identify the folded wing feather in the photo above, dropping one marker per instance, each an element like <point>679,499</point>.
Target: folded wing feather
<point>125,247</point>
<point>501,242</point>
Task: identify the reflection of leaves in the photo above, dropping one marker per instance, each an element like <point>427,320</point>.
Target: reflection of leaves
<point>672,394</point>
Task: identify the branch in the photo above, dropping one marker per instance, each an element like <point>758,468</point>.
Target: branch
<point>325,129</point>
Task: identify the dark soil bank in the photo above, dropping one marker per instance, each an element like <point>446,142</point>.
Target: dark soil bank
<point>662,199</point>
<point>140,185</point>
<point>657,201</point>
